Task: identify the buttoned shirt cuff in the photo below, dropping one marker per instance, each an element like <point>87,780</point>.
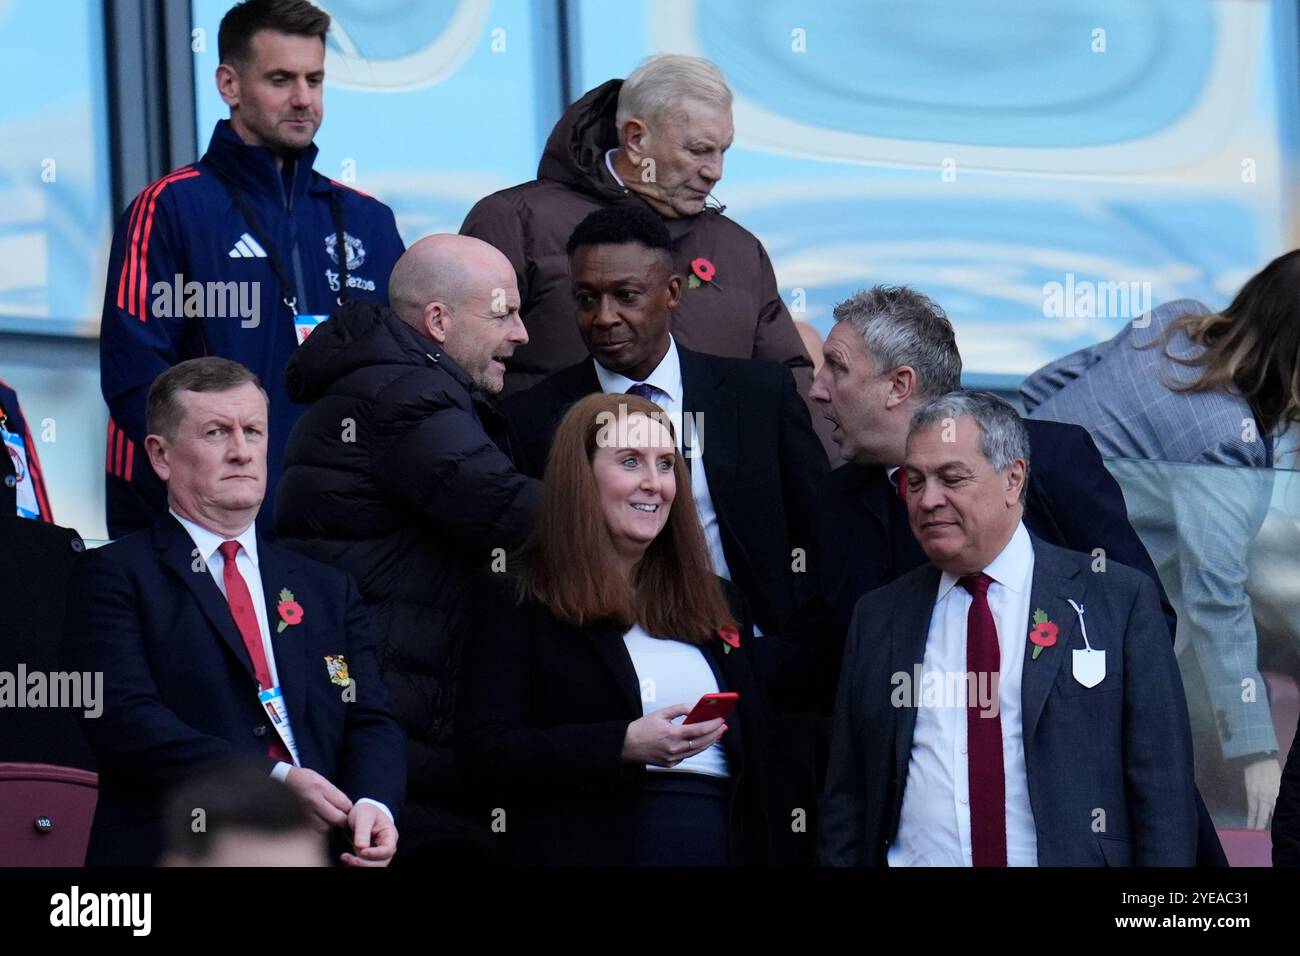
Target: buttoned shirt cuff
<point>388,813</point>
<point>281,771</point>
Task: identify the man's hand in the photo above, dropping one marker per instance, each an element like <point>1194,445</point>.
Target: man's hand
<point>373,836</point>
<point>328,804</point>
<point>1263,780</point>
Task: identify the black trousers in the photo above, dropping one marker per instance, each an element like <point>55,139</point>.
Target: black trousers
<point>684,820</point>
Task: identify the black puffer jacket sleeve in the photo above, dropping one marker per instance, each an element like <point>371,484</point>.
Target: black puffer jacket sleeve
<point>434,456</point>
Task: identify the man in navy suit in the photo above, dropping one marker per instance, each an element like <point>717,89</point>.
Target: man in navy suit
<point>215,644</point>
<point>1005,704</point>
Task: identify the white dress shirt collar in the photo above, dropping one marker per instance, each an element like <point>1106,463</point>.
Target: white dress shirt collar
<point>1011,568</point>
<point>667,376</point>
<point>209,541</point>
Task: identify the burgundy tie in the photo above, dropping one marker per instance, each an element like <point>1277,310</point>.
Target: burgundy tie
<point>241,609</point>
<point>642,390</point>
<point>987,777</point>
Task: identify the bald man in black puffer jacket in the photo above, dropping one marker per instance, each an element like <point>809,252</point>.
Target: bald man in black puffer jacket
<point>399,475</point>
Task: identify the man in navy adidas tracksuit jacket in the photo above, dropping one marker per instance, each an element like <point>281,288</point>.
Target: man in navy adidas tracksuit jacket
<point>240,254</point>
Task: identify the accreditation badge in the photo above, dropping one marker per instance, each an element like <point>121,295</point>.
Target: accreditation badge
<point>17,449</point>
<point>305,325</point>
<point>276,708</point>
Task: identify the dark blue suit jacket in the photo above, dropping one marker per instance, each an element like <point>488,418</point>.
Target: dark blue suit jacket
<point>1123,746</point>
<point>179,691</point>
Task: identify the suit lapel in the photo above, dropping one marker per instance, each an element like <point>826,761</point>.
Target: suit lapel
<point>909,633</point>
<point>289,645</point>
<point>713,408</point>
<point>177,549</point>
<point>1056,581</point>
<point>726,671</point>
<point>872,492</point>
<point>607,642</point>
<point>575,382</point>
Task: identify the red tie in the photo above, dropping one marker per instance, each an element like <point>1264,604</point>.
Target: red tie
<point>987,777</point>
<point>241,609</point>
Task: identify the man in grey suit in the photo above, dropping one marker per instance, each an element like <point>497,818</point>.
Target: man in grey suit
<point>981,721</point>
<point>1198,524</point>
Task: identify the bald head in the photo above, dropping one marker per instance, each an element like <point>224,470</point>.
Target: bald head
<point>445,268</point>
<point>461,293</point>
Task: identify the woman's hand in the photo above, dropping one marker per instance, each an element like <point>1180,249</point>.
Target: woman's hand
<point>655,739</point>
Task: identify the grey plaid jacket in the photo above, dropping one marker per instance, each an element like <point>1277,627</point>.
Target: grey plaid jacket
<point>1197,520</point>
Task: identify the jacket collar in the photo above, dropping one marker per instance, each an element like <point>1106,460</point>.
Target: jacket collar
<point>1057,581</point>
<point>414,345</point>
<point>448,364</point>
<point>868,485</point>
<point>577,381</point>
<point>252,169</point>
<point>176,550</point>
<point>606,639</point>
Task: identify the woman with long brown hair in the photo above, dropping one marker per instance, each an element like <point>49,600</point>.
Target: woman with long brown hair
<point>580,669</point>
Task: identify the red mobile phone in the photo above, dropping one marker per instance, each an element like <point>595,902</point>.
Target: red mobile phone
<point>710,706</point>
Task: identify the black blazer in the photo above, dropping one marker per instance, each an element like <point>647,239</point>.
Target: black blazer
<point>761,455</point>
<point>862,539</point>
<point>36,561</point>
<point>179,690</point>
<point>542,710</point>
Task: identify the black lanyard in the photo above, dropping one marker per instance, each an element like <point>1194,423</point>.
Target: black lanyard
<point>277,264</point>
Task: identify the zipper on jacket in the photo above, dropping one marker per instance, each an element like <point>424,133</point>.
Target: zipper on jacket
<point>293,236</point>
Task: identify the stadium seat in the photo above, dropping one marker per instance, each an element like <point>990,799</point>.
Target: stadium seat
<point>45,814</point>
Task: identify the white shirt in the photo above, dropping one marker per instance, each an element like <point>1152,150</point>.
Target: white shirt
<point>208,544</point>
<point>667,380</point>
<point>934,824</point>
<point>672,672</point>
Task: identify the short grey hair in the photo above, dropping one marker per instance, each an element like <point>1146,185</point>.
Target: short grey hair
<point>663,82</point>
<point>900,326</point>
<point>1003,437</point>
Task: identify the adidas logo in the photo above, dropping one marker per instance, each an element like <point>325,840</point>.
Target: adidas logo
<point>247,248</point>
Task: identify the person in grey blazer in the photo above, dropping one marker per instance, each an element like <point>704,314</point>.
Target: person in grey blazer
<point>1183,385</point>
<point>1066,740</point>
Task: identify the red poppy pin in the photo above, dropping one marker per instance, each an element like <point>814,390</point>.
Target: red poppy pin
<point>1043,634</point>
<point>290,610</point>
<point>730,638</point>
<point>702,271</point>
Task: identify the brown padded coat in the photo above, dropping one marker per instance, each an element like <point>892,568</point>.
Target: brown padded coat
<point>738,315</point>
